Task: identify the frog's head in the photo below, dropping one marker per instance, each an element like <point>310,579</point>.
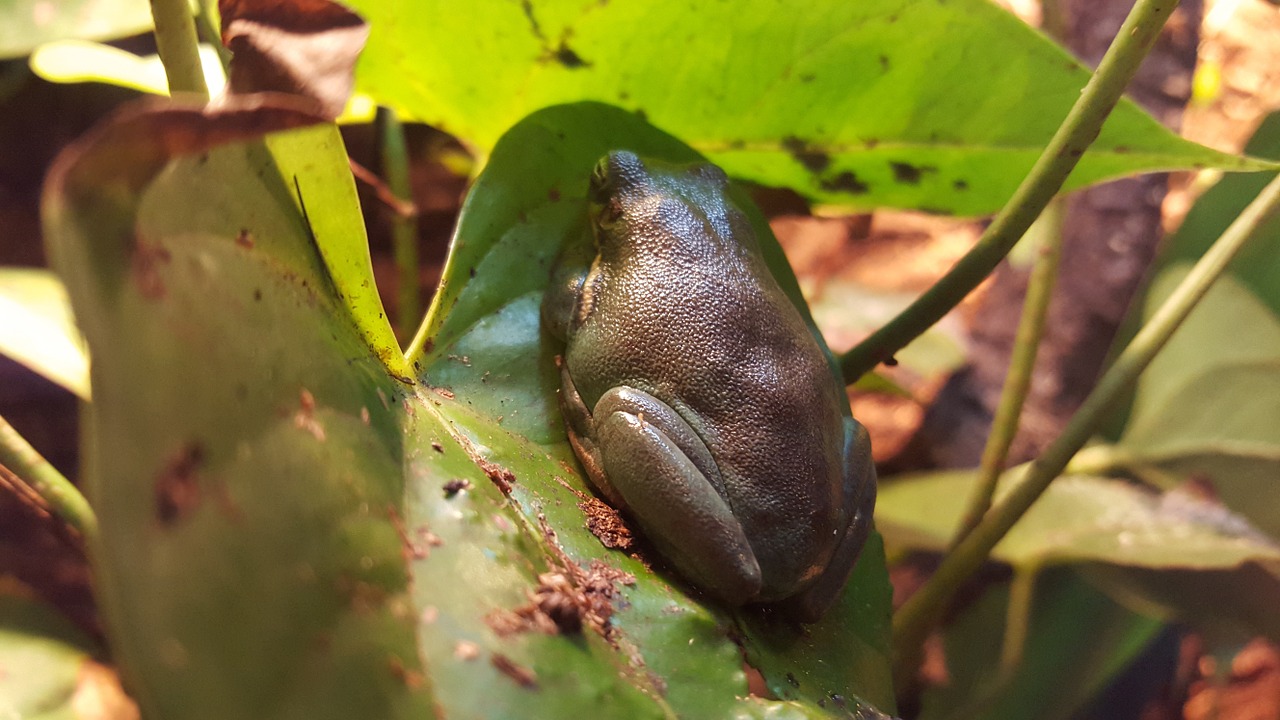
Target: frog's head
<point>644,200</point>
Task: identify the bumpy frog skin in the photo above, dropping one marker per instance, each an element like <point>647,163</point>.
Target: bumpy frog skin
<point>697,399</point>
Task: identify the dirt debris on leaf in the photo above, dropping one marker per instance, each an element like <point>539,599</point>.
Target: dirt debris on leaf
<point>523,676</point>
<point>566,598</point>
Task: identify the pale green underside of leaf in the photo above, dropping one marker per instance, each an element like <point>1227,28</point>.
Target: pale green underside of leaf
<point>38,329</point>
<point>939,106</point>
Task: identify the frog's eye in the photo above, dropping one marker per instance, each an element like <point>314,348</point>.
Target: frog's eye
<point>610,213</point>
<point>600,177</point>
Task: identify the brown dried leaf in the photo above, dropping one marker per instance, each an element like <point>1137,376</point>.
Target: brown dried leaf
<point>300,47</point>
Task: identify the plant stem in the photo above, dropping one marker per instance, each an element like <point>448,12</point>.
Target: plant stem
<point>179,49</point>
<point>914,620</point>
<point>1060,156</point>
<point>404,228</point>
<point>29,474</point>
<point>1035,309</point>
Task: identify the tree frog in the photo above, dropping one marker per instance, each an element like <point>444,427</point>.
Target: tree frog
<point>698,400</point>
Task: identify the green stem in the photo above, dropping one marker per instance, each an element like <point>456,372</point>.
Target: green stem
<point>1077,132</point>
<point>916,618</point>
<point>1016,384</point>
<point>1017,625</point>
<point>404,228</point>
<point>179,49</point>
<point>32,475</point>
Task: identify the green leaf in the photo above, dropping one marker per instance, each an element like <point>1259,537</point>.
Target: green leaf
<point>39,330</point>
<point>1077,642</point>
<point>290,527</point>
<point>854,104</point>
<point>25,24</point>
<point>1171,553</point>
<point>488,350</point>
<point>74,61</point>
<point>41,658</point>
<point>1206,407</point>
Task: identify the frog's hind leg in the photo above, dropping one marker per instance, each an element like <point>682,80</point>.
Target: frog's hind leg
<point>860,498</point>
<point>655,461</point>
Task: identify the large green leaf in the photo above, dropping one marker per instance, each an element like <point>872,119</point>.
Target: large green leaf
<point>941,105</point>
<point>1171,552</point>
<point>1206,407</point>
<point>482,341</point>
<point>292,526</point>
<point>25,24</point>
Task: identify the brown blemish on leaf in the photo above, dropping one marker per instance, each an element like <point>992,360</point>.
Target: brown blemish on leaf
<point>523,676</point>
<point>846,182</point>
<point>910,174</point>
<point>244,239</point>
<point>409,677</point>
<point>297,47</point>
<point>444,393</point>
<point>437,446</point>
<point>177,487</point>
<point>815,161</point>
<point>305,419</point>
<point>146,268</point>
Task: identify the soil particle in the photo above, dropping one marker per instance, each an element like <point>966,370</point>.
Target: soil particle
<point>523,676</point>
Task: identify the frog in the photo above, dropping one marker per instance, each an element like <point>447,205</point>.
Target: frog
<point>698,400</point>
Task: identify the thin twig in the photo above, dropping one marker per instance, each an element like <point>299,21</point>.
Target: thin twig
<point>917,617</point>
<point>1035,309</point>
<point>27,474</point>
<point>179,49</point>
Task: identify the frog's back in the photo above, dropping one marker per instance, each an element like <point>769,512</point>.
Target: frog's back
<point>750,378</point>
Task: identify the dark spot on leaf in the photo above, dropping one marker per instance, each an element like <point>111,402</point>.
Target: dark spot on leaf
<point>177,487</point>
<point>428,345</point>
<point>845,182</point>
<point>870,143</point>
<point>523,676</point>
<point>815,161</point>
<point>437,447</point>
<point>791,679</point>
<point>204,158</point>
<point>623,96</point>
<point>410,678</point>
<point>244,239</point>
<point>808,78</point>
<point>960,185</point>
<point>1121,150</point>
<point>910,174</point>
<point>553,194</point>
<point>471,272</point>
<point>453,487</point>
<point>147,261</point>
<point>736,144</point>
<point>568,58</point>
<point>884,63</point>
<point>257,295</point>
<point>640,113</point>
